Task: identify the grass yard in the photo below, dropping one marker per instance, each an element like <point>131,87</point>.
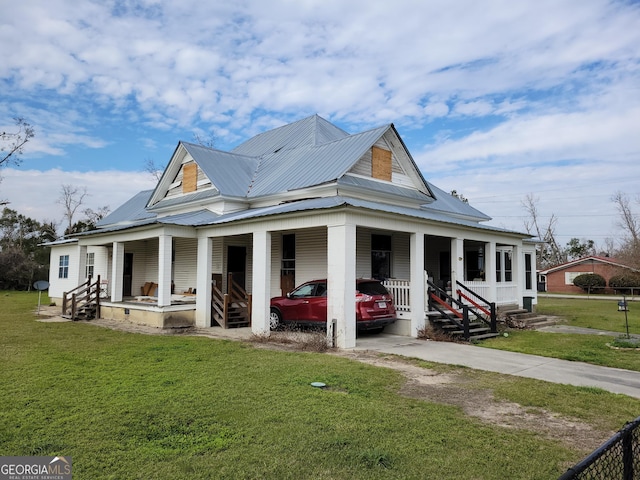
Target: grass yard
<point>133,406</point>
<point>583,312</point>
<point>592,313</point>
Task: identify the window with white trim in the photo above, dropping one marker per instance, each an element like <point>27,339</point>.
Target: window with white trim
<point>504,265</point>
<point>63,266</point>
<point>91,258</point>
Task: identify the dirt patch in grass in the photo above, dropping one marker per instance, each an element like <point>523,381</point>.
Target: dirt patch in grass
<point>458,389</point>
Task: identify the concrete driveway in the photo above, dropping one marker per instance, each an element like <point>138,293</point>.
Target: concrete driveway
<point>531,366</point>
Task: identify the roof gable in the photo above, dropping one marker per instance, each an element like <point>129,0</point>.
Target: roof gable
<point>196,172</point>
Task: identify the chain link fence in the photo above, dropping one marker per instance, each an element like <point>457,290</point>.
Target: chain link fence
<point>617,459</point>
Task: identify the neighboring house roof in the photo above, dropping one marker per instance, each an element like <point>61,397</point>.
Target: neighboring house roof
<point>593,258</point>
<point>294,158</point>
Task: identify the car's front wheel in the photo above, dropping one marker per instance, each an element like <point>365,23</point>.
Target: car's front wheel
<point>275,319</point>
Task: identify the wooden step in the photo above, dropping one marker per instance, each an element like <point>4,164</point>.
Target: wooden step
<point>472,331</point>
<point>485,336</point>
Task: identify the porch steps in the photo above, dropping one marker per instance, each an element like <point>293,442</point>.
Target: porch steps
<point>84,312</point>
<point>521,318</point>
<point>477,330</point>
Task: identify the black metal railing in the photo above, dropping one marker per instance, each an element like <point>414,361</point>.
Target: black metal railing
<point>480,305</point>
<point>617,458</point>
<point>457,312</point>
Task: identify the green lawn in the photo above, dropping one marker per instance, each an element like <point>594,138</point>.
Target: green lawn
<point>132,406</point>
<point>592,313</point>
<point>583,312</point>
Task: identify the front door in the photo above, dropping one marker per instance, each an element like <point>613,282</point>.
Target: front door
<point>127,274</point>
<point>237,264</point>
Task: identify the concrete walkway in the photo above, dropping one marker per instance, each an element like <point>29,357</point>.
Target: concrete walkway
<point>531,366</point>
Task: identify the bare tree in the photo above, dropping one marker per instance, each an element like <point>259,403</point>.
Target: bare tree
<point>151,167</point>
<point>71,198</point>
<point>94,216</point>
<point>630,224</point>
<point>549,253</point>
<point>628,221</point>
<point>12,143</point>
<point>208,141</point>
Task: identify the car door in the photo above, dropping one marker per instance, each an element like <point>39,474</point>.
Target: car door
<point>316,309</point>
<point>296,305</point>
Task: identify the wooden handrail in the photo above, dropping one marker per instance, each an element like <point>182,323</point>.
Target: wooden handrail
<point>86,293</point>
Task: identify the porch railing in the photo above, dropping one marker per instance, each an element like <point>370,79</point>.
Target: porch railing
<point>231,309</point>
<point>399,290</point>
<point>480,304</point>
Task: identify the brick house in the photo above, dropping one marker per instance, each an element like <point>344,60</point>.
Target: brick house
<point>559,279</point>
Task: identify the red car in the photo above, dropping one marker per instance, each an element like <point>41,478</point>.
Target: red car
<point>307,305</point>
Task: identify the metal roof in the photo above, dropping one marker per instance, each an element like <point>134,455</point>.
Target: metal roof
<point>185,199</point>
<point>446,202</point>
<point>131,211</point>
<point>311,165</point>
<point>385,188</point>
<point>313,130</point>
<point>303,154</point>
<point>337,201</point>
<point>231,173</point>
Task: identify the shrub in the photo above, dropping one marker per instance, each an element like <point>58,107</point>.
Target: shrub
<point>590,281</point>
<point>625,281</point>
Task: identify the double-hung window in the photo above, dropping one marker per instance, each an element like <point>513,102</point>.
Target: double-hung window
<point>63,267</point>
<point>91,259</point>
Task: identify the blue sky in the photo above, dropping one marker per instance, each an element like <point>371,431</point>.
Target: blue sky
<point>496,99</point>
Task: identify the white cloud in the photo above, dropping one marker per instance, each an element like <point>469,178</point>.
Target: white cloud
<point>496,88</point>
<point>35,193</point>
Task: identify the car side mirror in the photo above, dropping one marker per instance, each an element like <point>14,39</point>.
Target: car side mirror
<point>288,295</point>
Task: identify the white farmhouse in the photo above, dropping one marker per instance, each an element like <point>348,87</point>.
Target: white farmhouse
<point>296,203</point>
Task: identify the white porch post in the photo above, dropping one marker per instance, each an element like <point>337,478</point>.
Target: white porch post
<point>165,243</point>
<point>490,271</point>
<point>517,262</point>
<point>82,264</point>
<point>261,290</point>
<point>457,262</point>
<point>117,271</point>
<point>203,282</point>
<point>341,282</point>
<point>416,294</point>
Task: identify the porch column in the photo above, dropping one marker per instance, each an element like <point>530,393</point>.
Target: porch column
<point>165,243</point>
<point>341,282</point>
<point>203,282</point>
<point>261,283</point>
<point>490,271</point>
<point>457,262</point>
<point>82,264</point>
<point>517,266</point>
<point>416,294</point>
<point>117,271</point>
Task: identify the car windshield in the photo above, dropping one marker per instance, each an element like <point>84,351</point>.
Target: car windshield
<point>372,288</point>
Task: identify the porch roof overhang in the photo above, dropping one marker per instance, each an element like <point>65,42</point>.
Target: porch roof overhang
<point>325,203</point>
<point>206,218</point>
